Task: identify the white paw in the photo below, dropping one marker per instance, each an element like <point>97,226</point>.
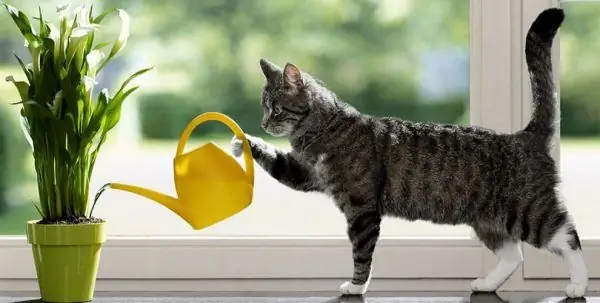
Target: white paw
<point>237,146</point>
<point>482,285</point>
<point>349,288</point>
<point>575,290</point>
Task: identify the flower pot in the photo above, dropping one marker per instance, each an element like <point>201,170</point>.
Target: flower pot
<point>66,259</point>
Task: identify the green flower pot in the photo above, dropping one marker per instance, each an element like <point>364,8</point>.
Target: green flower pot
<point>66,259</point>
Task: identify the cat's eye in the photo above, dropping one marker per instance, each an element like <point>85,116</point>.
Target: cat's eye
<point>276,110</point>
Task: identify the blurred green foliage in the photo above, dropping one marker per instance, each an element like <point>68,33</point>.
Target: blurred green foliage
<point>13,152</point>
<point>373,54</point>
<point>580,70</point>
<point>580,107</point>
<point>370,53</point>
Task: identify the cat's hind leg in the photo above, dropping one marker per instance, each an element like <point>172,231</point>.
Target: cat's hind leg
<point>509,255</point>
<point>565,243</point>
<point>551,227</point>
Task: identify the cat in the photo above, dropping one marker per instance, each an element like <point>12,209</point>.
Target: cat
<point>502,185</point>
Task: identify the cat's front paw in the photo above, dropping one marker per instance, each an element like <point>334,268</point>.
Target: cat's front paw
<point>575,290</point>
<point>237,146</point>
<point>483,285</point>
<point>349,288</point>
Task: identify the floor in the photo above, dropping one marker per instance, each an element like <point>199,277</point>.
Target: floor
<point>375,297</point>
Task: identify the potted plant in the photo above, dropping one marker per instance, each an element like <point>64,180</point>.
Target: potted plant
<point>66,128</point>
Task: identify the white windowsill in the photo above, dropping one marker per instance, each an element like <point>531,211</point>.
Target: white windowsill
<point>278,264</point>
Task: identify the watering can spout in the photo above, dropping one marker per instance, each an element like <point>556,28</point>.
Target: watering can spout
<point>167,201</point>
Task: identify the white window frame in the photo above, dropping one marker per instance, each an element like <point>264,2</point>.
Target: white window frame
<point>498,100</point>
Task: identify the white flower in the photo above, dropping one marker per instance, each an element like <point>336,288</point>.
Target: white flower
<point>55,36</point>
<point>63,12</point>
<point>88,83</point>
<point>125,25</point>
<point>9,78</point>
<point>81,13</point>
<point>57,103</point>
<point>84,30</point>
<point>123,34</point>
<point>105,97</point>
<point>62,7</point>
<point>78,35</point>
<point>94,58</point>
<point>58,96</point>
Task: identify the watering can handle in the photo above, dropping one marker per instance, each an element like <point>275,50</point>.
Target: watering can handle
<point>215,116</point>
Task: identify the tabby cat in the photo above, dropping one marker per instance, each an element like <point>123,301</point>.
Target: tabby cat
<point>502,185</point>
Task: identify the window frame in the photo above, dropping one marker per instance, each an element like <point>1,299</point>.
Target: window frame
<point>497,74</point>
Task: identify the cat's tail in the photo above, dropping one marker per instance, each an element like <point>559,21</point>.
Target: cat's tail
<point>538,57</point>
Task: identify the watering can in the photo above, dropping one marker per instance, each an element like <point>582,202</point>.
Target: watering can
<point>211,186</point>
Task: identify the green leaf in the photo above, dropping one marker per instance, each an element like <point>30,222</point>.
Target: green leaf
<point>101,45</point>
<point>113,112</point>
<point>25,70</point>
<point>91,13</point>
<point>43,28</point>
<point>101,17</point>
<point>37,107</point>
<point>48,44</point>
<point>20,19</point>
<point>96,121</point>
<point>99,110</point>
<point>71,124</point>
<point>47,83</point>
<point>37,208</point>
<point>133,76</point>
<point>21,86</point>
<point>25,127</point>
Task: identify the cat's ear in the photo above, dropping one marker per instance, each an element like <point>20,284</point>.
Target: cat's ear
<point>292,76</point>
<point>269,69</point>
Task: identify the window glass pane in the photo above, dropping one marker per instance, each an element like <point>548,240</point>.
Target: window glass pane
<point>404,58</point>
<point>580,113</point>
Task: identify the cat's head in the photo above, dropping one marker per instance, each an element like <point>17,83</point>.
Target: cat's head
<point>286,97</point>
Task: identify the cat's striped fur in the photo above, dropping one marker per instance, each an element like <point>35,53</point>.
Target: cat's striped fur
<point>502,185</point>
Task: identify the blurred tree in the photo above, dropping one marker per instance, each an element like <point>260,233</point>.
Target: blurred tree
<point>579,70</point>
<point>366,51</point>
<point>13,152</point>
<point>371,53</point>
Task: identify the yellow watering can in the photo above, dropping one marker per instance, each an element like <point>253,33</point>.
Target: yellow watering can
<point>211,186</point>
